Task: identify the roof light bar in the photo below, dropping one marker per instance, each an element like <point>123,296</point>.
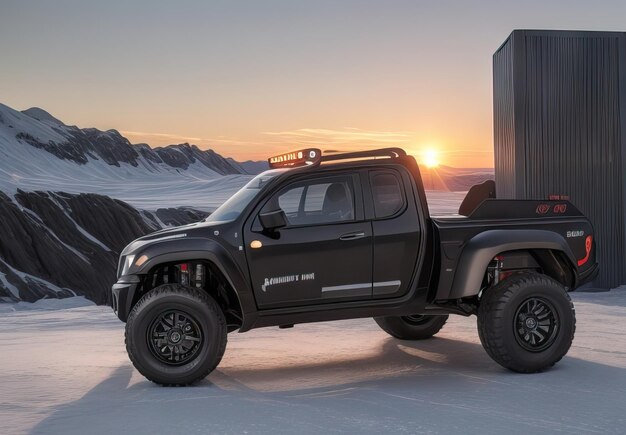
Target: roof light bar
<point>313,156</point>
<point>309,156</point>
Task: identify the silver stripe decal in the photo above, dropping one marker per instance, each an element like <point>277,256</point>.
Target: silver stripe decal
<point>387,283</point>
<point>360,286</point>
<point>346,287</point>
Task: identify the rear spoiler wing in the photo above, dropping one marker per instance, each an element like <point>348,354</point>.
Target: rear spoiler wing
<point>523,209</point>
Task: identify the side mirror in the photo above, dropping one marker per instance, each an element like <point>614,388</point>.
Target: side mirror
<point>272,220</point>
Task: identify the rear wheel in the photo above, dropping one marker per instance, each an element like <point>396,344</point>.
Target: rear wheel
<point>526,323</point>
<point>415,327</point>
<point>176,335</point>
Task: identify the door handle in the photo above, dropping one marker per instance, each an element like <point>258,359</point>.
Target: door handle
<point>352,236</point>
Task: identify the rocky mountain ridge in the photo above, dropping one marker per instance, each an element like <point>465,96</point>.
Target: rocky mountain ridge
<point>56,245</point>
<point>79,145</point>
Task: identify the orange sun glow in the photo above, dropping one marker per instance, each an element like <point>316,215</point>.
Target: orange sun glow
<point>430,158</point>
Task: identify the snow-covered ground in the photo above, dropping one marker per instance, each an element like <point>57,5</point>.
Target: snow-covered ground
<point>65,371</point>
<point>444,203</point>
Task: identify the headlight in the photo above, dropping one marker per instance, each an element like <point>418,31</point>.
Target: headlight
<point>128,261</point>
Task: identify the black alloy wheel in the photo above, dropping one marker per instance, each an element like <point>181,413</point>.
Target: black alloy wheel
<point>536,324</point>
<point>174,337</point>
<point>526,322</point>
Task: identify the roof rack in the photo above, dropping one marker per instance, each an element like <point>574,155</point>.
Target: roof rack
<point>313,157</point>
<point>382,152</point>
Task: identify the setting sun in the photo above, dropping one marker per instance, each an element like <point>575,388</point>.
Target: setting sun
<point>430,158</point>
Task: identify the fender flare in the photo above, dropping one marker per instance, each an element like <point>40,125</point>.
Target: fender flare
<point>480,250</point>
<point>172,251</point>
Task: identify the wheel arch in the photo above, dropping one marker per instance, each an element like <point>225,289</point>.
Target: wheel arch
<point>548,249</point>
<point>215,257</point>
<point>555,264</point>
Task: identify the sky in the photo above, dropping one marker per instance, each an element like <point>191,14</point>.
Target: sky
<point>251,79</point>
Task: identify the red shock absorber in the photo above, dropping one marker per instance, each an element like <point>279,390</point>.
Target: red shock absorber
<point>184,274</point>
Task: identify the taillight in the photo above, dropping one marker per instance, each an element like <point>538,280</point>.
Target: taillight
<point>588,245</point>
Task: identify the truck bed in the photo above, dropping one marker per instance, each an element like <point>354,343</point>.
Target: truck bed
<point>503,224</point>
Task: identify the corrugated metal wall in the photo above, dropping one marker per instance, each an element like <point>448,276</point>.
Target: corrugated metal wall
<point>560,129</point>
<point>504,121</point>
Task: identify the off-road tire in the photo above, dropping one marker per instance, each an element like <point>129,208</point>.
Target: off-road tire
<point>411,327</point>
<point>208,318</point>
<point>499,322</point>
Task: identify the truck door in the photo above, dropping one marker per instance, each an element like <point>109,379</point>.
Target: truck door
<point>396,232</point>
<point>324,254</point>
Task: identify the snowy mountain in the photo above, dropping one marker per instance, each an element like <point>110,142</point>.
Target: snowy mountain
<point>251,166</point>
<point>60,234</point>
<point>56,245</point>
<point>38,128</point>
<point>39,152</point>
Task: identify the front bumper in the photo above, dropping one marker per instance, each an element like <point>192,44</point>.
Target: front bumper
<point>123,294</point>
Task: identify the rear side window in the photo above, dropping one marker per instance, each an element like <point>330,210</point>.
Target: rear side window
<point>387,194</point>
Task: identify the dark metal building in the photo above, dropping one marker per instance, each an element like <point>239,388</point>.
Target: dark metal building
<point>560,129</point>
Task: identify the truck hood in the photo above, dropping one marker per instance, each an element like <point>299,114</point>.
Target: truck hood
<point>190,230</point>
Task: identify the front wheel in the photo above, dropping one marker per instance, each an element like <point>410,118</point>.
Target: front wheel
<point>176,335</point>
<point>526,323</point>
<point>416,327</point>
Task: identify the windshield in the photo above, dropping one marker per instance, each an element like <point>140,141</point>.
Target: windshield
<point>233,207</point>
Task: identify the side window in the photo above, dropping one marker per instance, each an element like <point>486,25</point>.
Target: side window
<point>289,202</point>
<point>387,194</point>
<point>315,195</point>
<point>318,202</point>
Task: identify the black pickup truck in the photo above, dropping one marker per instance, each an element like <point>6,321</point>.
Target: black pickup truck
<point>341,236</point>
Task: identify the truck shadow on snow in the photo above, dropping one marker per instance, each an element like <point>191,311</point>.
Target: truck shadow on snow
<point>438,385</point>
